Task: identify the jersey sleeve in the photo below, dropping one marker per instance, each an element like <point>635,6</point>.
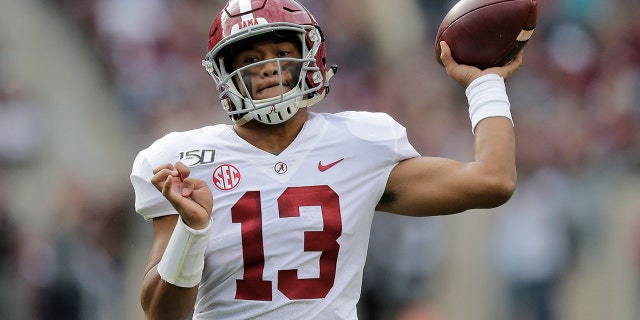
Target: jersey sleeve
<point>381,128</point>
<point>149,202</point>
<point>386,138</point>
<point>403,148</point>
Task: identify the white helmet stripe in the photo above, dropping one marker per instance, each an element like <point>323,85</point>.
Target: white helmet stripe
<point>248,19</point>
<point>245,6</point>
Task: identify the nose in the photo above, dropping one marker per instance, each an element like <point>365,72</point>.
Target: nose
<point>269,69</point>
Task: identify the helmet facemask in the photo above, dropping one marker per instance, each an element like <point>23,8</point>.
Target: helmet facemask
<point>230,85</point>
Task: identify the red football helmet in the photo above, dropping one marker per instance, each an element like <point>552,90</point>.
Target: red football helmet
<point>244,19</point>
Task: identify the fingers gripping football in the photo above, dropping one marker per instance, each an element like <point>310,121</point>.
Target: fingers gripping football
<point>508,69</point>
<point>465,74</point>
<point>191,197</point>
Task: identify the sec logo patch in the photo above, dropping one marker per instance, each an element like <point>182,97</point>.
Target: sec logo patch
<point>226,177</point>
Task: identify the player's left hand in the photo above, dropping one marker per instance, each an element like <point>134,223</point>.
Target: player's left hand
<point>465,74</point>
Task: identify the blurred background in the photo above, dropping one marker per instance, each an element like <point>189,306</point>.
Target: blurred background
<point>86,84</point>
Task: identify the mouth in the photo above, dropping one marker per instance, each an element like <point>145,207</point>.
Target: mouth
<point>271,90</point>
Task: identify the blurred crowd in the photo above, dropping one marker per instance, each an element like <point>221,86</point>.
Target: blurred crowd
<point>576,108</point>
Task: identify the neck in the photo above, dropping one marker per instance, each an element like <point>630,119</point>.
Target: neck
<point>273,138</point>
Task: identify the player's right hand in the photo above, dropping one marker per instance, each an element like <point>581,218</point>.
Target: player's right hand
<point>465,74</point>
<point>191,197</point>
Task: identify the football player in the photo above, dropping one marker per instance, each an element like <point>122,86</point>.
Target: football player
<point>269,216</point>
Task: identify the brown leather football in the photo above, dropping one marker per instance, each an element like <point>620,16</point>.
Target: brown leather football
<point>487,33</point>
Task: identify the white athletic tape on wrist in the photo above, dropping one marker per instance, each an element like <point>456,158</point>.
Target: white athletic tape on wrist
<point>487,98</point>
<point>183,260</point>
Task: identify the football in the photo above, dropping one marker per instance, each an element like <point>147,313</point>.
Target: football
<point>487,33</point>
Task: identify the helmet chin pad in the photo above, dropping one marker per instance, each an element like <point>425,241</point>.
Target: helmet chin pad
<point>280,111</point>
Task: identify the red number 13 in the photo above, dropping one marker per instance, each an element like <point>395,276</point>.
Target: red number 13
<point>247,211</point>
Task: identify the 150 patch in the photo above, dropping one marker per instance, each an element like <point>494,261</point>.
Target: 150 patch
<point>197,157</point>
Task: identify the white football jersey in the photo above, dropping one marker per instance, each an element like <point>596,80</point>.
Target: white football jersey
<point>290,231</point>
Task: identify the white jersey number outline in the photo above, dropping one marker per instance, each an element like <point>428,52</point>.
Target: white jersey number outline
<point>248,212</point>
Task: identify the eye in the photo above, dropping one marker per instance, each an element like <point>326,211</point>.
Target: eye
<point>249,60</point>
<point>282,54</point>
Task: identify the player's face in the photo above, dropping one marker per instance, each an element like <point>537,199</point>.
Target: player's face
<point>263,80</point>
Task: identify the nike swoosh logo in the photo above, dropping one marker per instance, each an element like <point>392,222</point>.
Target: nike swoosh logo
<point>323,168</point>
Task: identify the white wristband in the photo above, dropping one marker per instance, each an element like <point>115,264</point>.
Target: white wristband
<point>487,98</point>
<point>182,263</point>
